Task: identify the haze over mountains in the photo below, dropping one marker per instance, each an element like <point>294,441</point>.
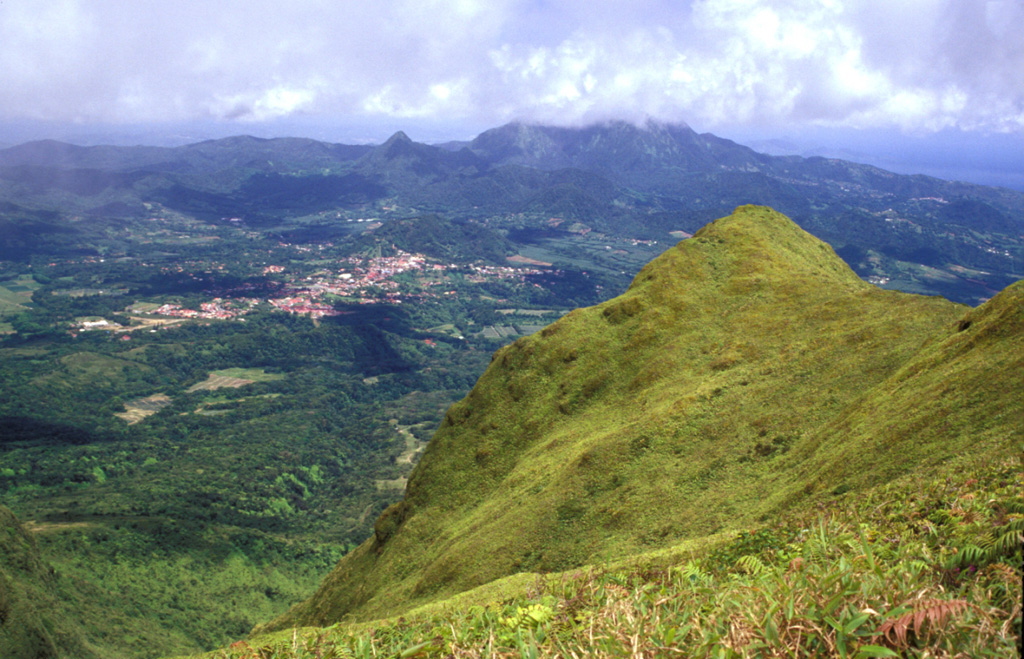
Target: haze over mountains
<point>919,233</point>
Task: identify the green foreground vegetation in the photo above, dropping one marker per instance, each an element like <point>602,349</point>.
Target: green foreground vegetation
<point>922,566</point>
<point>744,373</point>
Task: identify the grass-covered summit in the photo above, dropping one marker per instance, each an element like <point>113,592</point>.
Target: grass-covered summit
<point>745,372</point>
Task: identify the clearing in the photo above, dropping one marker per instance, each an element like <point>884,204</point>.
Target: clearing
<point>138,409</point>
<point>412,447</point>
<point>234,377</point>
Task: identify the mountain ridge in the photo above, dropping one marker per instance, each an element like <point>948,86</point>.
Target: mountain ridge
<point>669,149</point>
<point>713,393</point>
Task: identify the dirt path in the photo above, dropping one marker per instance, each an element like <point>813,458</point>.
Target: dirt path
<point>396,484</point>
<point>44,527</point>
<point>366,512</point>
<point>151,323</point>
<point>412,447</point>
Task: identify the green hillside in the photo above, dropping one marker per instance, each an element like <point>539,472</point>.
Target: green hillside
<point>33,622</point>
<point>928,565</point>
<point>746,372</point>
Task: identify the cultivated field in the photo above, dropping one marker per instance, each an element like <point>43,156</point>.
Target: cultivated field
<point>234,377</point>
<point>138,409</point>
<point>16,294</point>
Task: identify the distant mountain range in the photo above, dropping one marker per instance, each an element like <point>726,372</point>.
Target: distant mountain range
<point>616,178</point>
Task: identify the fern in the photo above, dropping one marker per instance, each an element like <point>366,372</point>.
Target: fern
<point>1011,537</point>
<point>692,574</point>
<point>815,549</point>
<point>935,612</point>
<point>751,564</point>
<point>992,547</point>
<point>1015,506</point>
<point>968,555</point>
<point>919,566</point>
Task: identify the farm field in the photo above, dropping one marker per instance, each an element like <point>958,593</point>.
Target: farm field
<point>16,294</point>
<point>234,378</point>
<point>138,409</point>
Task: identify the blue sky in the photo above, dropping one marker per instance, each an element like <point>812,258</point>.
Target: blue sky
<point>850,76</point>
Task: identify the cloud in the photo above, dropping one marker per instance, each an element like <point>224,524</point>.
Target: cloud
<point>920,65</point>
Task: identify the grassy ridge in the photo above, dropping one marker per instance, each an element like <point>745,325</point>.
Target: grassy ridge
<point>740,376</point>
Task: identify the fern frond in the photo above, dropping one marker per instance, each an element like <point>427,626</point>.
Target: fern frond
<point>815,551</point>
<point>987,541</point>
<point>1008,542</point>
<point>1014,506</point>
<point>968,554</point>
<point>692,574</point>
<point>1004,572</point>
<point>919,566</point>
<point>751,564</point>
<point>934,612</point>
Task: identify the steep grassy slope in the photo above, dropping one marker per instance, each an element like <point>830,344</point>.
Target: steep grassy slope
<point>745,371</point>
<point>32,620</point>
<point>963,390</point>
<point>923,566</point>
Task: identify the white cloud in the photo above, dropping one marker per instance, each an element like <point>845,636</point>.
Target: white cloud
<point>917,65</point>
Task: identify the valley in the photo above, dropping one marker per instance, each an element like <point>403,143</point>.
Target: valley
<point>241,421</point>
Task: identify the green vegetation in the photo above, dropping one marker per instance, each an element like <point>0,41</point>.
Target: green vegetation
<point>746,373</point>
<point>234,378</point>
<point>189,477</point>
<point>599,199</point>
<point>914,568</point>
<point>191,458</point>
<point>16,295</point>
<point>440,238</point>
<point>158,487</point>
<point>33,616</point>
<point>251,374</point>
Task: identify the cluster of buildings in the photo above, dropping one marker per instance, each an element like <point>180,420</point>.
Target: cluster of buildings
<point>303,305</point>
<point>368,281</point>
<point>362,275</point>
<point>191,267</point>
<point>217,309</point>
<point>483,273</point>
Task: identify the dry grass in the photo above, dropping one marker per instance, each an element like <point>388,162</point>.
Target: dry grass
<point>214,382</point>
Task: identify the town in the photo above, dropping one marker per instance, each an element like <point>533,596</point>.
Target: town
<point>359,280</point>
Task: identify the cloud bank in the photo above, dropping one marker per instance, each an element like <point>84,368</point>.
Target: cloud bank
<point>918,65</point>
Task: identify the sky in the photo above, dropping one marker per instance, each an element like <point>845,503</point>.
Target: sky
<point>851,77</point>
